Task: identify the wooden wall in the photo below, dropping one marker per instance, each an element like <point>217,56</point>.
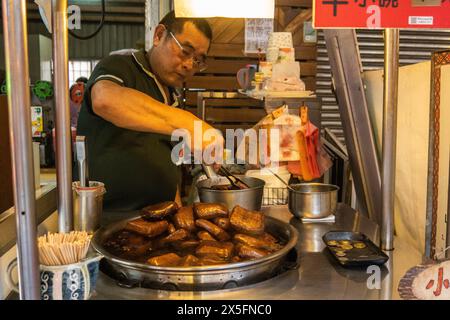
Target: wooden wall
<point>227,56</point>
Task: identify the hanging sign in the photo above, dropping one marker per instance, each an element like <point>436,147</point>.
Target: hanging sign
<point>257,33</point>
<point>376,14</point>
<point>426,282</point>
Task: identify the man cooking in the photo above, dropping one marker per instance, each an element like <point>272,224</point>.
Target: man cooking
<point>129,113</point>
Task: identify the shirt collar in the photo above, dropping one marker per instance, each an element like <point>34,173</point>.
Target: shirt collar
<point>142,61</point>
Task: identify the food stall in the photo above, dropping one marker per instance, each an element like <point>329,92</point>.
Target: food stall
<point>305,257</point>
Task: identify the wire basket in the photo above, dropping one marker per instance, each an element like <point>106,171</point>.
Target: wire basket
<point>275,196</point>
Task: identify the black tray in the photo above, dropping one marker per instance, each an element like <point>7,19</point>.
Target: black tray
<point>370,255</point>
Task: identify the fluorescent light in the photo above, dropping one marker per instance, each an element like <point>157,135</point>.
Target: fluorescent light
<point>225,8</point>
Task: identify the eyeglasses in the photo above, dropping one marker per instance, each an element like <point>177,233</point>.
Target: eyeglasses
<point>189,53</point>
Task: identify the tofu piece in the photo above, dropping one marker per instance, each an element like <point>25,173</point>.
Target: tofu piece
<point>147,228</point>
<point>257,242</point>
<point>184,218</point>
<point>222,222</point>
<point>247,222</point>
<point>178,235</point>
<point>247,252</point>
<point>159,211</point>
<point>223,250</point>
<point>216,231</point>
<point>165,260</point>
<point>190,261</point>
<point>205,236</point>
<point>210,210</point>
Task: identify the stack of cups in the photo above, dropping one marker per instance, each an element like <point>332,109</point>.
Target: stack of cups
<point>279,42</point>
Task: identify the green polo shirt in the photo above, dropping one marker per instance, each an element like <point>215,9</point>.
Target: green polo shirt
<point>136,167</point>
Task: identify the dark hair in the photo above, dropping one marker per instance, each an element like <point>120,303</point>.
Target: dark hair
<point>176,25</point>
<point>82,79</point>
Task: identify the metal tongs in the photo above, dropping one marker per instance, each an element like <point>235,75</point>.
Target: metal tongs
<point>215,179</point>
<point>227,174</point>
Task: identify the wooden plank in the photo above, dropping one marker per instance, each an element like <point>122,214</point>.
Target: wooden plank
<point>234,103</point>
<point>306,52</point>
<point>213,83</point>
<point>224,127</point>
<point>192,110</point>
<point>310,83</point>
<point>308,68</point>
<point>191,100</point>
<point>230,84</point>
<point>231,67</point>
<point>295,23</point>
<point>226,50</point>
<point>224,115</point>
<point>279,19</point>
<point>220,26</point>
<point>302,52</point>
<point>239,38</point>
<point>231,32</point>
<point>294,3</point>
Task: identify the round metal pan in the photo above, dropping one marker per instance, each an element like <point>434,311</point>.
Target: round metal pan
<point>202,278</point>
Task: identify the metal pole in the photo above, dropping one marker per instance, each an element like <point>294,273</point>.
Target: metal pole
<point>391,56</point>
<point>63,131</point>
<point>16,52</point>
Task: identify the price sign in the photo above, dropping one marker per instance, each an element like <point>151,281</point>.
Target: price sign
<point>376,14</point>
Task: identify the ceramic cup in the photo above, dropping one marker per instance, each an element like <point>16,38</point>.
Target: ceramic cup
<point>67,282</point>
<point>245,76</point>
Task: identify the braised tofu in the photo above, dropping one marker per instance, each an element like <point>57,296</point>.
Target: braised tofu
<point>165,260</point>
<point>246,252</point>
<point>184,218</point>
<point>205,236</point>
<point>210,210</point>
<point>178,235</point>
<point>223,250</point>
<point>186,245</point>
<point>216,231</point>
<point>246,221</point>
<point>159,211</point>
<point>222,222</point>
<point>171,228</point>
<point>257,242</point>
<point>190,261</point>
<point>211,259</point>
<point>147,228</point>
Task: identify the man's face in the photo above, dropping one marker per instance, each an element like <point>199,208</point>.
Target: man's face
<point>174,64</point>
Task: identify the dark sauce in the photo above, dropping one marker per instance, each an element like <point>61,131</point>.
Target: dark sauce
<point>132,246</point>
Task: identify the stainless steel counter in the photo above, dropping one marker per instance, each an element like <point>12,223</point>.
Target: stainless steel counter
<point>318,277</point>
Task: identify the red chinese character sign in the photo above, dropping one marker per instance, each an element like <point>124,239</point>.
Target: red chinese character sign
<point>376,14</point>
<point>426,282</point>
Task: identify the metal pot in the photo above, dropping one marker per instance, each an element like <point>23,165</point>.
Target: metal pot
<point>132,274</point>
<point>313,200</point>
<point>250,199</point>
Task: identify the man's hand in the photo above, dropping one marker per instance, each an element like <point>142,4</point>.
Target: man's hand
<point>213,147</point>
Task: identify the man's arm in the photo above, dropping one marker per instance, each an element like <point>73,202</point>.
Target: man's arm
<point>131,109</point>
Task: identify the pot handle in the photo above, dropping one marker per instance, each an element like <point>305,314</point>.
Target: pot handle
<point>9,279</point>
